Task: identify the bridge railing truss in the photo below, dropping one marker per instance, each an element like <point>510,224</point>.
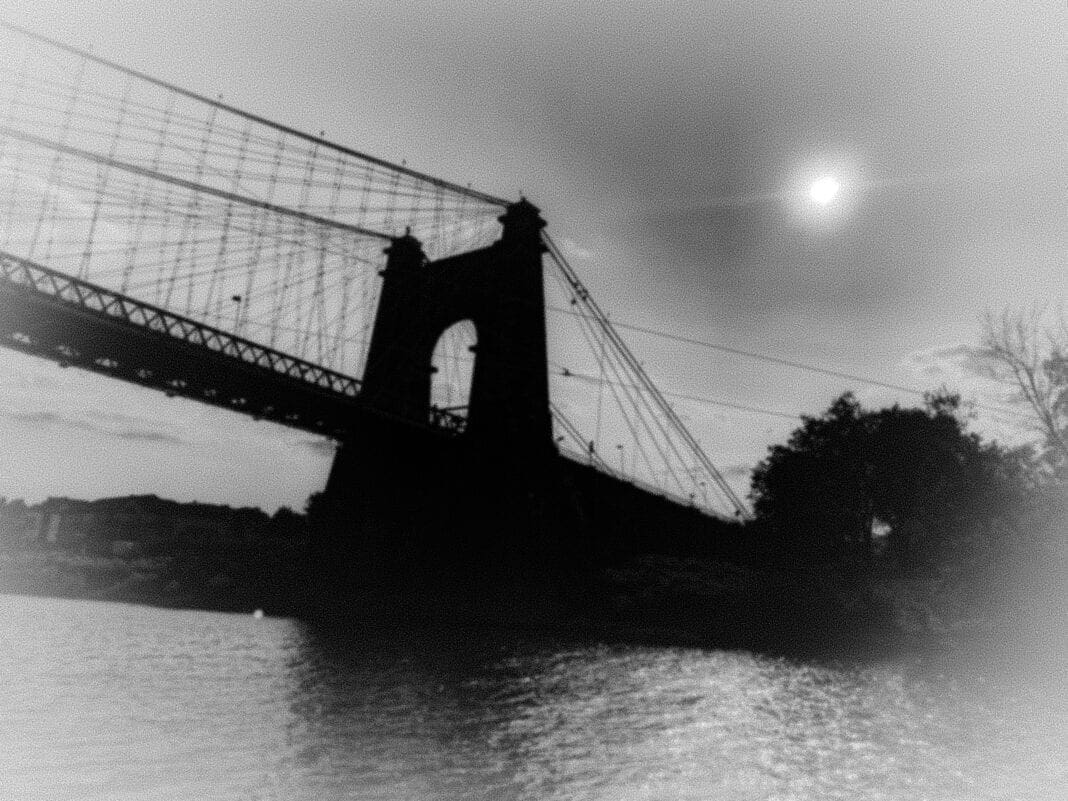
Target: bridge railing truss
<point>17,272</point>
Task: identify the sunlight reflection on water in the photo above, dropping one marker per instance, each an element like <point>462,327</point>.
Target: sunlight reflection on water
<point>122,702</point>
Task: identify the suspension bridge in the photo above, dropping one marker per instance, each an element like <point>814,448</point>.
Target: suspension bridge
<point>169,239</point>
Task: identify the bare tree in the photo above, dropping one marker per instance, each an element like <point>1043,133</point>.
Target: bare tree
<point>1029,349</point>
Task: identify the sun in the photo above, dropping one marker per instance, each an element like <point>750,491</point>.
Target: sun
<point>824,190</point>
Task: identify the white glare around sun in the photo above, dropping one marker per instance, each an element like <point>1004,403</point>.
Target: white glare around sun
<point>823,190</point>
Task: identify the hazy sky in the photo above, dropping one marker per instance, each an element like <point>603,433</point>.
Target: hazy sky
<point>671,146</point>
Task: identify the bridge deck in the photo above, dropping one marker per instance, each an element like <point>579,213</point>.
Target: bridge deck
<point>49,314</point>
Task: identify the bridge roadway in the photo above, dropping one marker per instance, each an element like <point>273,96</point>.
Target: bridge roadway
<point>76,323</point>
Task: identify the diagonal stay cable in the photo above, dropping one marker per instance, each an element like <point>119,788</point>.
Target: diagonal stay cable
<point>639,372</point>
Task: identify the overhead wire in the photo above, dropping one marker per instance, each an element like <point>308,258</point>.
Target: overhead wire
<point>674,337</point>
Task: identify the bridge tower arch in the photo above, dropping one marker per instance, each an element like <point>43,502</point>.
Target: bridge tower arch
<point>500,290</point>
<point>401,492</point>
<point>452,368</point>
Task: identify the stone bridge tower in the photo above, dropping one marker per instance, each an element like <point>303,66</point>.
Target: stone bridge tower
<point>410,496</point>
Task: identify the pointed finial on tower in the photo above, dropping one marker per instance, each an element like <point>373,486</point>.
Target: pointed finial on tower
<point>405,251</point>
<point>522,220</point>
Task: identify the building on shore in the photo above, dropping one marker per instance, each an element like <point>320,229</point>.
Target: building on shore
<point>137,525</point>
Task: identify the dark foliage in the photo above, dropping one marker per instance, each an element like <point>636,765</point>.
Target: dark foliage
<point>913,474</point>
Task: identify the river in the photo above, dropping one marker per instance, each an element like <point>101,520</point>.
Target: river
<point>113,701</point>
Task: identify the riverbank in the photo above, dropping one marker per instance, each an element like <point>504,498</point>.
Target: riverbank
<point>662,599</point>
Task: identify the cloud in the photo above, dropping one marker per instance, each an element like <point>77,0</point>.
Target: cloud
<point>35,418</point>
<point>117,417</point>
<point>319,445</point>
<point>575,250</point>
<point>142,435</point>
<point>49,419</point>
<point>955,361</point>
<point>736,471</point>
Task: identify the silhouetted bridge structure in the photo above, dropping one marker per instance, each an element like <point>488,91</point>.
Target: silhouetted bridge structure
<point>170,240</point>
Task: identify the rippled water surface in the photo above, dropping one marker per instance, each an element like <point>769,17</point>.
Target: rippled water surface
<point>122,702</point>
